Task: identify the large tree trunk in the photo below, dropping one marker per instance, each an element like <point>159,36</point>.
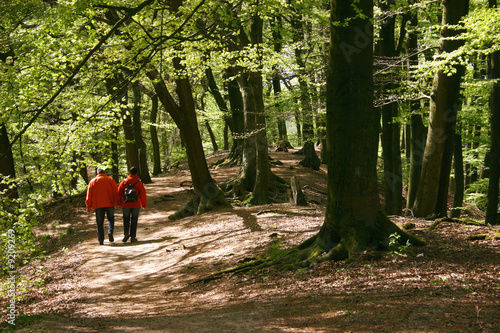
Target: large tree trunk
<point>445,102</point>
<point>494,173</point>
<point>7,166</point>
<point>354,221</point>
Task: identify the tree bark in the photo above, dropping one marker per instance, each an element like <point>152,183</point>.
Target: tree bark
<point>207,193</point>
<point>7,166</point>
<point>393,178</point>
<point>445,102</point>
<point>494,173</point>
<point>418,131</point>
<point>354,221</point>
<point>154,136</point>
<point>299,26</point>
<point>458,161</point>
<point>139,142</point>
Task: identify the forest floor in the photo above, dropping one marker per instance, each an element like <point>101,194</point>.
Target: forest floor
<point>450,285</point>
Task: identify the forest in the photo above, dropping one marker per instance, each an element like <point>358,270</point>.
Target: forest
<point>347,139</point>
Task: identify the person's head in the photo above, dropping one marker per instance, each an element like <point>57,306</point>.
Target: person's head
<point>133,170</point>
<point>100,170</point>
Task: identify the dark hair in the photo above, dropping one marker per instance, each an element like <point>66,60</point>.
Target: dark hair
<point>133,170</point>
<point>100,170</point>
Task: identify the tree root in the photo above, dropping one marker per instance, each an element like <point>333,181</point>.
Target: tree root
<point>202,202</point>
<point>239,188</point>
<point>235,270</point>
<point>233,159</point>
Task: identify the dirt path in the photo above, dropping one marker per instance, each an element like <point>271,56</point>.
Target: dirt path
<point>451,285</point>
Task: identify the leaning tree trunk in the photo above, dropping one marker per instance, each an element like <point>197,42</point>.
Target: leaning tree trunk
<point>354,221</point>
<point>445,102</point>
<point>207,193</point>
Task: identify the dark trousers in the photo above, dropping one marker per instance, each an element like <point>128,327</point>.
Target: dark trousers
<point>130,218</point>
<point>110,213</point>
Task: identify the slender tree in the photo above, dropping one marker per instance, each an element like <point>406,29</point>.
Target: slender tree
<point>445,101</point>
<point>154,135</point>
<point>386,52</point>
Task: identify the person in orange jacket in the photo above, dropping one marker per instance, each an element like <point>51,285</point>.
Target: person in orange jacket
<point>131,203</point>
<point>102,196</point>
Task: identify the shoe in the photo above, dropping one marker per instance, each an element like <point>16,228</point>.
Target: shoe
<point>125,238</point>
<point>133,240</point>
<point>101,242</point>
<point>111,239</point>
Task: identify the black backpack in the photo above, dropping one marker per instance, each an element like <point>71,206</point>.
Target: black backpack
<point>130,195</point>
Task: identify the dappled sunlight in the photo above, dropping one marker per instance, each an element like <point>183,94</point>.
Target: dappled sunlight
<point>149,286</point>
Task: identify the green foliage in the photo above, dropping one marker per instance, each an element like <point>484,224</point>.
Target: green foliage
<point>476,194</point>
<point>397,247</point>
<point>17,219</point>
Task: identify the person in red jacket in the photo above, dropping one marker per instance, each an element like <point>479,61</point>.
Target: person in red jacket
<point>131,204</point>
<point>102,196</point>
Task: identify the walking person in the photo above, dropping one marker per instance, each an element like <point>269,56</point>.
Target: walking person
<point>131,196</point>
<point>102,196</point>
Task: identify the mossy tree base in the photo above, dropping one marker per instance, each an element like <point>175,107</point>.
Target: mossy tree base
<point>234,158</point>
<point>202,202</point>
<point>351,243</point>
<point>241,185</point>
<point>311,159</point>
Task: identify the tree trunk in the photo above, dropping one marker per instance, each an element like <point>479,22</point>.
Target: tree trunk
<point>494,173</point>
<point>139,142</point>
<point>418,131</point>
<point>445,102</point>
<point>311,159</point>
<point>7,166</point>
<point>153,118</point>
<point>393,178</point>
<point>207,193</point>
<point>235,121</point>
<point>458,197</point>
<point>115,132</point>
<point>128,132</point>
<point>277,26</point>
<point>299,26</point>
<point>354,221</point>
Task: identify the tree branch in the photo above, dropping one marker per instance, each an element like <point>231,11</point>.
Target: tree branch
<point>77,69</point>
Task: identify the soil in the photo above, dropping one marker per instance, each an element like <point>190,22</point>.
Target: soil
<point>450,285</point>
